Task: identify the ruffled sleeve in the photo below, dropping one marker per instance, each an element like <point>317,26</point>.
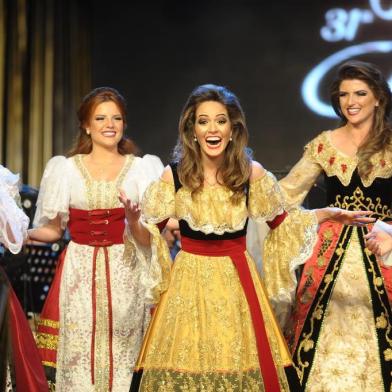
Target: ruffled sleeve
<point>151,168</point>
<point>54,194</point>
<point>289,244</point>
<point>296,185</point>
<point>13,221</point>
<point>157,206</point>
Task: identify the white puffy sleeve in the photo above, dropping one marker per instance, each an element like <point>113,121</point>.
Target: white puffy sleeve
<point>151,167</point>
<point>54,194</point>
<point>154,258</point>
<point>13,221</point>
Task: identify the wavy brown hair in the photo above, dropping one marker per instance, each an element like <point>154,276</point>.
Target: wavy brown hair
<point>235,170</point>
<point>379,136</point>
<point>83,143</point>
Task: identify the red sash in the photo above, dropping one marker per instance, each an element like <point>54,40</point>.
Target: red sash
<point>235,249</point>
<point>100,229</point>
<point>29,373</point>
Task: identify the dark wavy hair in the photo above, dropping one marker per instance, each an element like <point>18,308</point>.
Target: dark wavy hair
<point>236,167</point>
<point>83,143</point>
<point>379,137</point>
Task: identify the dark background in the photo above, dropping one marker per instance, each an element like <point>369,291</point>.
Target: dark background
<point>155,53</point>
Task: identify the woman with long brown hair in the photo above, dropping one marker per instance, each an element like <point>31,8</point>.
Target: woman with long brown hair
<point>214,329</point>
<point>340,329</point>
<point>92,323</point>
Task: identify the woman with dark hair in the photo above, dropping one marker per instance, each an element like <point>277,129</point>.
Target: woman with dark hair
<point>214,329</point>
<point>340,329</point>
<point>92,323</point>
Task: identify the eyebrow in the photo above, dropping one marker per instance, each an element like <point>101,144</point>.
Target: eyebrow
<point>220,114</point>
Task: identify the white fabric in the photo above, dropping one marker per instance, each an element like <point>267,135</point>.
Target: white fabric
<point>64,185</point>
<point>13,221</point>
<point>382,226</point>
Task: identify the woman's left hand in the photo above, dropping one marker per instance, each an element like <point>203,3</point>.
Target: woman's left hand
<point>379,242</point>
<point>132,210</point>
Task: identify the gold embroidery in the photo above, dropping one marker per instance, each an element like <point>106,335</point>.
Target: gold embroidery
<point>102,194</point>
<point>388,354</point>
<point>47,341</point>
<point>378,282</point>
<point>359,202</point>
<point>381,321</point>
<point>306,338</point>
<point>49,323</point>
<point>174,380</point>
<point>335,163</point>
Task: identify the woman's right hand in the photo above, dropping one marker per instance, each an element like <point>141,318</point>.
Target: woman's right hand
<point>132,210</point>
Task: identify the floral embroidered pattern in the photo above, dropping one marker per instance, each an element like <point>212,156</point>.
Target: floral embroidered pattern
<point>329,157</point>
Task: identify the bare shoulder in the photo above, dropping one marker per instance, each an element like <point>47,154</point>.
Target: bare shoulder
<point>257,171</point>
<point>167,174</point>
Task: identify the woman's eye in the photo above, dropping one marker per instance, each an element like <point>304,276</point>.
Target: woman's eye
<point>202,122</point>
<point>222,121</point>
<point>118,118</point>
<point>99,118</point>
<point>362,93</point>
<point>341,94</point>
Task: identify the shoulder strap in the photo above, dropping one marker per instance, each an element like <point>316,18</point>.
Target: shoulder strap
<point>177,183</point>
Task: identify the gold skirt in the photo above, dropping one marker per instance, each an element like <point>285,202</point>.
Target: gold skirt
<point>201,337</point>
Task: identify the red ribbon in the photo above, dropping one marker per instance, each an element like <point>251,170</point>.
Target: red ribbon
<point>274,223</point>
<point>235,249</point>
<point>99,228</point>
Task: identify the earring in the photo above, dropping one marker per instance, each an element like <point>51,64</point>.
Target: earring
<point>231,139</point>
<point>88,132</point>
<point>195,139</point>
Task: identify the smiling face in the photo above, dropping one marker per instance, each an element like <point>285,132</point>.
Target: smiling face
<point>357,102</point>
<point>106,126</point>
<point>212,129</point>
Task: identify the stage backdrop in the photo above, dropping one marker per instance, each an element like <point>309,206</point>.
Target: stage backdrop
<point>156,53</point>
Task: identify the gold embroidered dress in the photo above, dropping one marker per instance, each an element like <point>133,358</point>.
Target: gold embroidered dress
<point>66,185</point>
<point>202,337</point>
<point>341,329</point>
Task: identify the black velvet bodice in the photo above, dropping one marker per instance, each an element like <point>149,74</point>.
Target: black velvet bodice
<point>355,196</point>
<point>186,230</point>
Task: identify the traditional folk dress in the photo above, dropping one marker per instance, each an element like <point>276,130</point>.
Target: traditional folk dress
<point>214,329</point>
<point>93,321</point>
<point>341,329</point>
<point>20,366</point>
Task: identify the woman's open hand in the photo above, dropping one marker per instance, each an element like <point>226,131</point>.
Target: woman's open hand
<point>132,210</point>
<point>344,217</point>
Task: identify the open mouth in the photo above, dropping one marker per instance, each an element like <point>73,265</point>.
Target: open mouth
<point>109,133</point>
<point>213,140</point>
<point>353,111</point>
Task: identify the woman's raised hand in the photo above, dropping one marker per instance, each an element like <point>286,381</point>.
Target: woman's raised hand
<point>132,210</point>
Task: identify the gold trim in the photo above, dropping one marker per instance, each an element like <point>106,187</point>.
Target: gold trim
<point>48,363</point>
<point>49,323</point>
<point>357,202</point>
<point>306,343</point>
<point>47,341</point>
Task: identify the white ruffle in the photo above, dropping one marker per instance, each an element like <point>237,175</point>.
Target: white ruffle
<point>54,194</point>
<point>13,221</point>
<point>151,168</point>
